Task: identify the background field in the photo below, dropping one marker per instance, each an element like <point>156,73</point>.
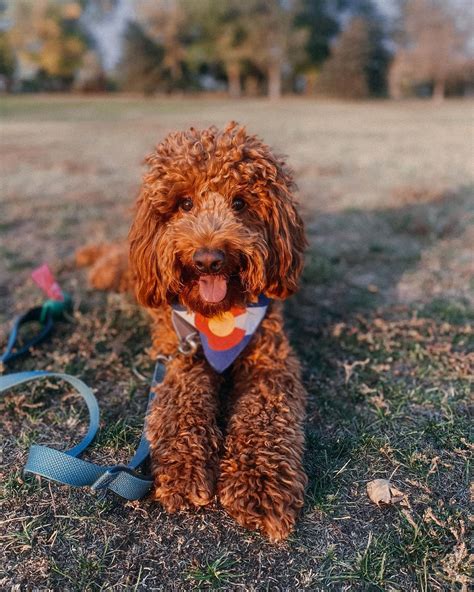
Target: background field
<point>382,325</point>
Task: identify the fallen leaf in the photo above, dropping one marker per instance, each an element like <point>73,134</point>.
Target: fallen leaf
<point>434,465</point>
<point>409,518</point>
<point>379,402</point>
<point>366,390</point>
<point>430,516</point>
<point>381,491</point>
<point>380,368</point>
<point>338,329</point>
<point>457,564</point>
<point>349,368</point>
<point>421,486</point>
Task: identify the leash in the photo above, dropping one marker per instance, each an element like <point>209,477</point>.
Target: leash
<point>67,467</point>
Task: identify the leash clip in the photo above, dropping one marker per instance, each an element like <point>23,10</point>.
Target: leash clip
<point>188,346</point>
<point>163,359</point>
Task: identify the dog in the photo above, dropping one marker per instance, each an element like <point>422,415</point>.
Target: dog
<point>215,246</point>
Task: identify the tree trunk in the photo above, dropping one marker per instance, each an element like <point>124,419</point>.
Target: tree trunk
<point>233,80</point>
<point>251,86</point>
<point>310,83</point>
<point>274,81</point>
<point>439,89</point>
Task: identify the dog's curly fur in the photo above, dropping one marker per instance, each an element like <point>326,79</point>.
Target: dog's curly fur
<point>253,459</point>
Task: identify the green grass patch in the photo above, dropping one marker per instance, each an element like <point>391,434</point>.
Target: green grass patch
<point>216,574</point>
<point>450,311</point>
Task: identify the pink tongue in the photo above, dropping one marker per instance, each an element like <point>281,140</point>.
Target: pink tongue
<point>212,288</point>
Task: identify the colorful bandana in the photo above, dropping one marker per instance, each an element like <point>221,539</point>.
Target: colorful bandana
<point>223,337</point>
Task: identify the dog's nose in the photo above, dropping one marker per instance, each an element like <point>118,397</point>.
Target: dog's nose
<point>209,260</point>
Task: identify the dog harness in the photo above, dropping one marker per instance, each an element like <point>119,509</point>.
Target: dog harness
<point>224,336</point>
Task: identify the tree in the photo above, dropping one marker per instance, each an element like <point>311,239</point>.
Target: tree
<point>431,48</point>
<point>91,76</point>
<point>235,34</point>
<point>379,58</point>
<point>7,61</point>
<point>48,36</point>
<point>320,18</point>
<point>142,62</point>
<point>344,74</point>
<point>222,33</point>
<point>274,40</point>
<point>166,24</point>
<point>220,37</point>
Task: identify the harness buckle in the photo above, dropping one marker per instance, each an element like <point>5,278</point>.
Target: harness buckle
<point>188,346</point>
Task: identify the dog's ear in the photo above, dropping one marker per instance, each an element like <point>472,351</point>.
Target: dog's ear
<point>144,264</point>
<point>286,239</point>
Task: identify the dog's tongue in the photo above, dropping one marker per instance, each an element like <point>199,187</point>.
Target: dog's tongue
<point>212,288</point>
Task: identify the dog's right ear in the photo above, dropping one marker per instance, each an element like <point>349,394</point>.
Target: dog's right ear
<point>144,264</point>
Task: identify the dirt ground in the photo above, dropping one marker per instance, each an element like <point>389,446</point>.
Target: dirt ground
<point>383,325</point>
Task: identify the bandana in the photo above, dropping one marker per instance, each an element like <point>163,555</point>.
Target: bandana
<point>224,336</point>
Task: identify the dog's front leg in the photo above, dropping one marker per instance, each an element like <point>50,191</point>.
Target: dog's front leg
<point>262,480</point>
<point>183,435</point>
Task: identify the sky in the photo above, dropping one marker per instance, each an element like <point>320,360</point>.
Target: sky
<point>108,32</point>
<point>386,7</point>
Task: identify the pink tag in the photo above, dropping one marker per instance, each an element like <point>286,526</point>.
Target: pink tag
<point>43,277</point>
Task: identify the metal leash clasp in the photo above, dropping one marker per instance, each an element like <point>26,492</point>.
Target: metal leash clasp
<point>188,346</point>
<point>163,359</point>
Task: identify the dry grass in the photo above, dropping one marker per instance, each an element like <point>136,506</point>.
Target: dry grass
<point>383,325</point>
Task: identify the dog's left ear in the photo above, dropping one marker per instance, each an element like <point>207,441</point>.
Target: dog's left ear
<point>286,239</point>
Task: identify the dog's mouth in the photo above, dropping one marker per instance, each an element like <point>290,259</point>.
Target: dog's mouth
<point>211,293</point>
<point>212,288</point>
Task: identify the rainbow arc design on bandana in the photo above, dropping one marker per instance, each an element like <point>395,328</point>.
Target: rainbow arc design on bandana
<point>224,336</point>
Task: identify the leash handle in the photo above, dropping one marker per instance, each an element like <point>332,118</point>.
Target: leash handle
<point>66,467</point>
<point>10,381</point>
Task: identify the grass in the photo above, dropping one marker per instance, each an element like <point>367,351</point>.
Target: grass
<point>214,574</point>
<point>455,313</point>
<point>382,324</point>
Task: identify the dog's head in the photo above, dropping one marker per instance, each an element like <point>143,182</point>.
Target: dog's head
<point>215,223</point>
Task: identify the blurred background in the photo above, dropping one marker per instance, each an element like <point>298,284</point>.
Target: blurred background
<point>371,102</point>
<point>338,48</point>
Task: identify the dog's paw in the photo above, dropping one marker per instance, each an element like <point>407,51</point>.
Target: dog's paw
<point>264,498</point>
<point>183,486</point>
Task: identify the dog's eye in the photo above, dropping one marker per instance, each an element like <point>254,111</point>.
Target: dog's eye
<point>186,204</point>
<point>238,204</point>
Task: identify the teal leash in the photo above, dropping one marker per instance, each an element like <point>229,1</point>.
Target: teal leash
<point>66,467</point>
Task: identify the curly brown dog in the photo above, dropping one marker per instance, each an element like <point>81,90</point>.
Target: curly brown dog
<point>216,229</point>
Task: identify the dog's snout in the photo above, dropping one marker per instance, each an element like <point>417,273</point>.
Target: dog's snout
<point>209,260</point>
